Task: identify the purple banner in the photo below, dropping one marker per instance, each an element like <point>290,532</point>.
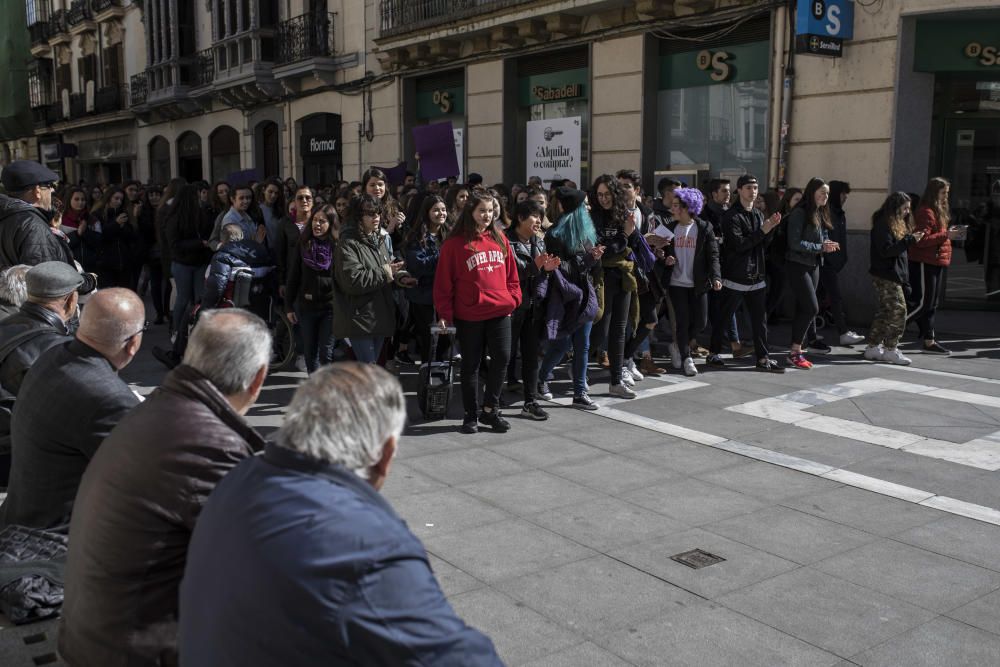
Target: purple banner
<point>396,175</point>
<point>436,145</point>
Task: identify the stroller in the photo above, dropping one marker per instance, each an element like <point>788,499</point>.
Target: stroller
<point>436,378</point>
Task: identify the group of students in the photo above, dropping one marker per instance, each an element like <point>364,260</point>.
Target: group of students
<point>541,275</point>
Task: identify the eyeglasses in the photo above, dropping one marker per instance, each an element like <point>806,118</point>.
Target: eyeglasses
<point>604,195</point>
<point>145,327</point>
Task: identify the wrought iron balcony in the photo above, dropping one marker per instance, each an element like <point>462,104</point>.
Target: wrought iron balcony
<point>204,64</point>
<point>79,12</point>
<point>304,37</point>
<point>101,5</point>
<point>138,90</point>
<point>39,32</point>
<point>77,105</point>
<point>402,16</point>
<point>110,99</point>
<point>57,24</point>
<point>47,114</point>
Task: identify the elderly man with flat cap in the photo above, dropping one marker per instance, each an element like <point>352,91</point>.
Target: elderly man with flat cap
<point>67,405</point>
<point>25,212</point>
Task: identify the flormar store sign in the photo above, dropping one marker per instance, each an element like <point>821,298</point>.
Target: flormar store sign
<point>321,145</point>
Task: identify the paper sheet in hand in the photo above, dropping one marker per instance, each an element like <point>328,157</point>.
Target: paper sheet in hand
<point>663,232</point>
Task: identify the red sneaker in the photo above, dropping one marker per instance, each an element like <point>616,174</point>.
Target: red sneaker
<point>799,361</point>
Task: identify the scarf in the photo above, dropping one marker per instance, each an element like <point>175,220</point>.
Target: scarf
<point>317,254</point>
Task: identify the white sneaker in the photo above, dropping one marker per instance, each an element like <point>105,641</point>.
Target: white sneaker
<point>689,369</point>
<point>894,356</point>
<point>675,357</point>
<point>621,391</point>
<point>874,353</point>
<point>627,378</point>
<point>631,368</point>
<point>851,338</point>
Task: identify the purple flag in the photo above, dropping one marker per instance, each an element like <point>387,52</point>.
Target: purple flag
<point>436,145</point>
<point>396,175</point>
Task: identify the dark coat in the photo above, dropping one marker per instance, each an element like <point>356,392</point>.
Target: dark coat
<point>362,298</point>
<point>421,263</point>
<point>185,239</point>
<point>120,247</point>
<point>527,271</point>
<point>805,240</point>
<point>286,247</point>
<point>836,261</point>
<point>234,254</point>
<point>68,403</point>
<point>52,331</point>
<point>706,256</point>
<point>312,553</point>
<point>308,288</point>
<point>888,254</point>
<point>744,245</point>
<point>137,505</point>
<point>26,238</point>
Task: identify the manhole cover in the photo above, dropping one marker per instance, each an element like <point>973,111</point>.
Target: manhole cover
<point>697,559</point>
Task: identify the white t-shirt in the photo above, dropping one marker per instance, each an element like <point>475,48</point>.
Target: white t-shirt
<point>685,242</point>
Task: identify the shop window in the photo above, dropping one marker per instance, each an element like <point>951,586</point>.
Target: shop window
<point>224,149</point>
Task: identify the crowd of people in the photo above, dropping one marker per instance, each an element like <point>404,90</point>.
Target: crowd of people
<point>182,543</point>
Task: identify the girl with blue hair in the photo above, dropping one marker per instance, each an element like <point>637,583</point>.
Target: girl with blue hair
<point>571,300</point>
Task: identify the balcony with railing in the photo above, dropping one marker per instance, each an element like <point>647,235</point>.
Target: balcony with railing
<point>399,17</point>
<point>243,67</point>
<point>39,33</point>
<point>138,90</point>
<point>77,105</point>
<point>111,99</point>
<point>58,29</point>
<point>112,7</point>
<point>80,17</point>
<point>204,70</point>
<point>307,47</point>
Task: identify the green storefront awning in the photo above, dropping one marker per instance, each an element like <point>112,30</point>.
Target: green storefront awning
<point>15,56</point>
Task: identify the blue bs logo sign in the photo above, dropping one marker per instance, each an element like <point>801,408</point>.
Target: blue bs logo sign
<point>821,26</point>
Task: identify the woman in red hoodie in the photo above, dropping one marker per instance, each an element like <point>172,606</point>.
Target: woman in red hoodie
<point>929,257</point>
<point>476,287</point>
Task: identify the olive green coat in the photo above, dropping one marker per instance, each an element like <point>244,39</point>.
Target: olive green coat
<point>362,297</point>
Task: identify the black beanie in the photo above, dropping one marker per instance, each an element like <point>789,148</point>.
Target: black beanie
<point>569,198</point>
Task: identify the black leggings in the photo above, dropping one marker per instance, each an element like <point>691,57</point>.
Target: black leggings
<point>524,330</point>
<point>155,269</point>
<point>648,303</point>
<point>612,325</point>
<point>422,316</point>
<point>690,315</point>
<point>475,337</point>
<point>802,281</point>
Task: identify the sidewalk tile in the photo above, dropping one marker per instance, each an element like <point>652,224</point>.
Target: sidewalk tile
<point>743,565</point>
<point>468,465</point>
<point>453,581</point>
<point>693,502</point>
<point>827,612</point>
<point>596,595</point>
<point>446,511</point>
<point>913,575</point>
<point>547,450</point>
<point>586,653</point>
<point>612,474</point>
<point>606,523</point>
<point>799,537</point>
<point>612,436</point>
<point>403,481</point>
<point>518,633</point>
<point>983,613</point>
<point>965,539</point>
<point>939,642</point>
<point>530,492</point>
<point>709,634</point>
<point>820,447</point>
<point>686,457</point>
<point>767,482</point>
<point>864,510</point>
<point>504,549</point>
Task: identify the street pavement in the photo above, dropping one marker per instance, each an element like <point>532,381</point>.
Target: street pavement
<point>850,514</point>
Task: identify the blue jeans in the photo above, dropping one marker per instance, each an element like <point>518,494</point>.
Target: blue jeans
<point>190,282</point>
<point>579,340</point>
<point>317,341</point>
<point>366,350</point>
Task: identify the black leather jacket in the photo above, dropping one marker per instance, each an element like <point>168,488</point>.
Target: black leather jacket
<point>527,270</point>
<point>32,316</point>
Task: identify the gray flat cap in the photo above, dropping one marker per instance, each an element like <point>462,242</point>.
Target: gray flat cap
<point>50,280</point>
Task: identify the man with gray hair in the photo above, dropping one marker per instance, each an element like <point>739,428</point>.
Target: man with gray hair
<point>13,290</point>
<point>142,493</point>
<point>300,542</point>
<point>69,401</point>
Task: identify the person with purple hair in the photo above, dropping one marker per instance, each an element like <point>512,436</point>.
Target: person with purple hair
<point>694,258</point>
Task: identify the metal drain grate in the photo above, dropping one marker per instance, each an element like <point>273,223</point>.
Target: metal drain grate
<point>697,559</point>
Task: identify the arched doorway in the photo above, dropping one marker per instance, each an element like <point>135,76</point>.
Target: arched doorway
<point>189,157</point>
<point>224,149</point>
<point>268,160</point>
<point>159,160</point>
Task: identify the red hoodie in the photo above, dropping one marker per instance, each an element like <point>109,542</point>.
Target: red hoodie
<point>474,281</point>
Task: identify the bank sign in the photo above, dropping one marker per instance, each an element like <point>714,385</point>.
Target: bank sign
<point>821,26</point>
<point>957,46</point>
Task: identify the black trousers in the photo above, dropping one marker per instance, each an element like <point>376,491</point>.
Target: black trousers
<point>612,326</point>
<point>925,283</point>
<point>475,338</point>
<point>525,332</point>
<point>422,316</point>
<point>156,292</point>
<point>830,282</point>
<point>690,316</point>
<point>756,304</point>
<point>802,282</point>
<point>648,314</point>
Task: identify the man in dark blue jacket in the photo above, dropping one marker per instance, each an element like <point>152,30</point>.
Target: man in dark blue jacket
<point>297,560</point>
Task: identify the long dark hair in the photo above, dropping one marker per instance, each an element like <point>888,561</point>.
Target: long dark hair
<point>389,205</point>
<point>817,215</point>
<point>102,207</point>
<point>421,227</point>
<point>213,197</point>
<point>468,229</point>
<point>330,213</point>
<point>618,212</point>
<point>785,207</point>
<point>362,205</point>
<point>930,200</point>
<point>280,207</point>
<point>837,191</point>
<point>186,210</point>
<point>890,211</point>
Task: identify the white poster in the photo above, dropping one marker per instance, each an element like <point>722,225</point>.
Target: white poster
<point>554,149</point>
<point>459,134</point>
